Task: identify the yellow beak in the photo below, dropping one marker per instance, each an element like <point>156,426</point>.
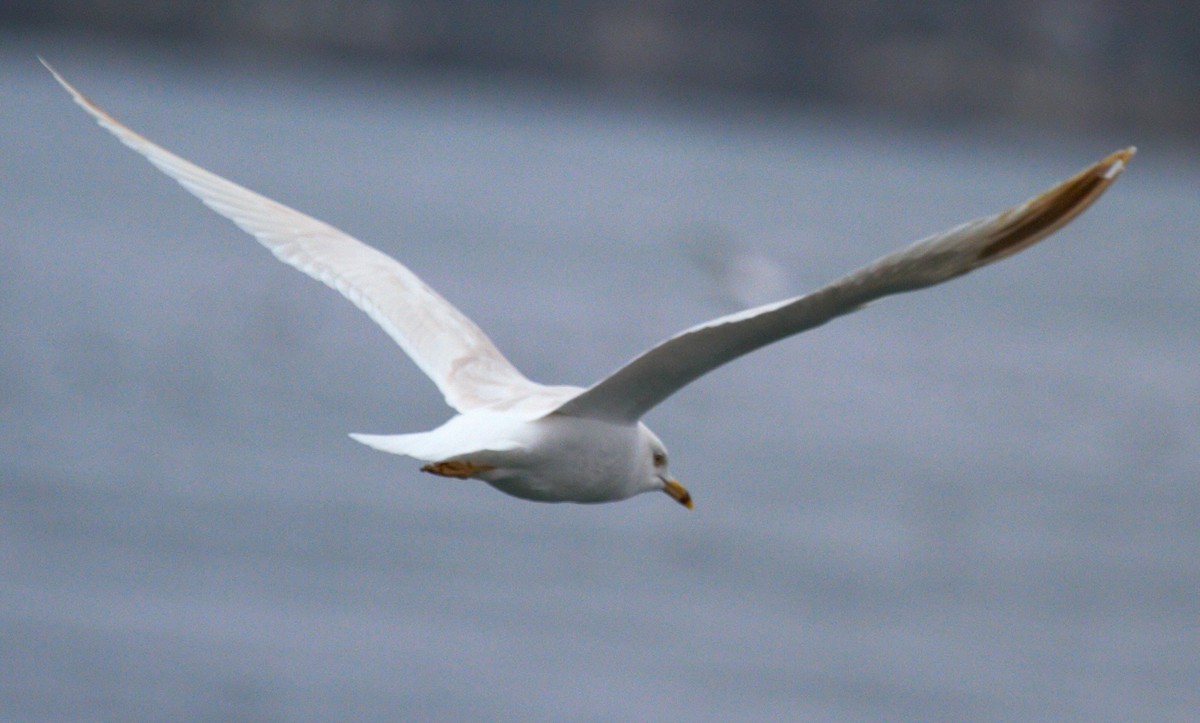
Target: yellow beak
<point>678,492</point>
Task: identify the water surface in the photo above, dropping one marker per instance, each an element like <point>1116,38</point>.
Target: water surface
<point>975,502</point>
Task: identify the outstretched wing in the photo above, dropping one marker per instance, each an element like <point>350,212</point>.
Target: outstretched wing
<point>637,387</point>
<point>445,344</point>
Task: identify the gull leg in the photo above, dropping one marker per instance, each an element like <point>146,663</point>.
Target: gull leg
<point>457,468</point>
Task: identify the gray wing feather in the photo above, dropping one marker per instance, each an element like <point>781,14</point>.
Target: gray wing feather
<point>635,388</point>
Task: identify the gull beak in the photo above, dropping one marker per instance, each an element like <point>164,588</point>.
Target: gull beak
<point>678,492</point>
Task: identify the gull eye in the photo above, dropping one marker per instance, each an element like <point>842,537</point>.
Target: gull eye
<point>659,459</point>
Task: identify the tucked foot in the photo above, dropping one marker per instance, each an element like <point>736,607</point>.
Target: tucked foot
<point>457,468</point>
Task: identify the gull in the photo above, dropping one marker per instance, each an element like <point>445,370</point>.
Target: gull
<point>567,443</point>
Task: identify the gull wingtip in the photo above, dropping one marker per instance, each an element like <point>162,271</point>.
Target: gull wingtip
<point>1116,162</point>
<point>61,80</point>
<point>46,64</point>
<point>103,118</point>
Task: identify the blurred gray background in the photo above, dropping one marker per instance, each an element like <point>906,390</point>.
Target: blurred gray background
<point>976,502</point>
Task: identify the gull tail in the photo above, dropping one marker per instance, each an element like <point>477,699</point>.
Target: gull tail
<point>409,445</point>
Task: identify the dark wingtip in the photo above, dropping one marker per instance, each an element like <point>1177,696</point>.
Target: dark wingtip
<point>1054,208</point>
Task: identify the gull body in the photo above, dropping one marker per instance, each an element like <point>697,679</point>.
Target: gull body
<point>575,444</point>
<point>552,458</point>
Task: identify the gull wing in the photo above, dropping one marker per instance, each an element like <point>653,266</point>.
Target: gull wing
<point>641,384</point>
<point>468,369</point>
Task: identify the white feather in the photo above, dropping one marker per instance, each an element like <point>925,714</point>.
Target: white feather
<point>468,369</point>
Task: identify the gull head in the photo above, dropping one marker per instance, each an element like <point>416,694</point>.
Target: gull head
<point>655,452</point>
